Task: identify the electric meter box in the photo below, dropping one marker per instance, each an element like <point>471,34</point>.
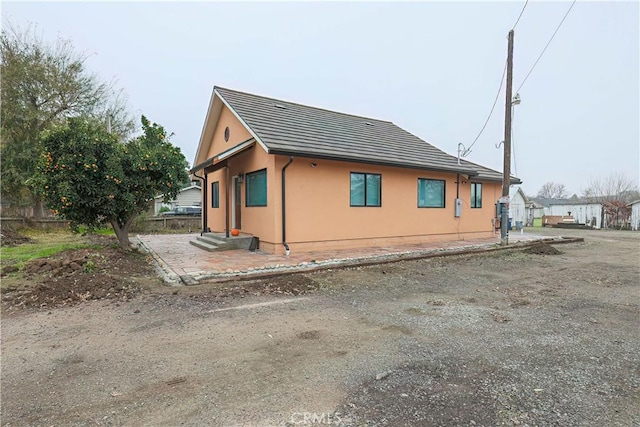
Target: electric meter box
<point>458,208</point>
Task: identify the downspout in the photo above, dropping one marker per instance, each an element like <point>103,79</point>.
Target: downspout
<point>284,208</point>
<point>226,199</point>
<point>204,202</point>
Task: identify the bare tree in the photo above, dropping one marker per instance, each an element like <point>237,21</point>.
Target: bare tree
<point>551,190</point>
<point>616,186</point>
<point>42,85</point>
<point>614,192</point>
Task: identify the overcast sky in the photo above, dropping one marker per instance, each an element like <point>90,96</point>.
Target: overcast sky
<point>433,68</point>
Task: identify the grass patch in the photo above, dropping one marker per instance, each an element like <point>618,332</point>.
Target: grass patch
<point>44,245</point>
<point>105,231</point>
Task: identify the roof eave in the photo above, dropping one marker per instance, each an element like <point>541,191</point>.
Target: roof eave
<point>231,152</point>
<point>465,171</point>
<point>202,165</point>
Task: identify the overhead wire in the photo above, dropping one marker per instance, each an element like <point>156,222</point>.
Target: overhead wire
<point>547,45</point>
<point>520,16</point>
<point>495,101</point>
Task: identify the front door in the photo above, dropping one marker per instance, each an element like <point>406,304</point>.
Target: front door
<point>237,202</point>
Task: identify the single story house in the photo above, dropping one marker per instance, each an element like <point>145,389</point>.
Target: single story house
<point>583,210</point>
<point>188,196</point>
<point>635,215</point>
<point>301,178</point>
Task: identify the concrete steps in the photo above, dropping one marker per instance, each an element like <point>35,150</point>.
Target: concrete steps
<point>213,242</point>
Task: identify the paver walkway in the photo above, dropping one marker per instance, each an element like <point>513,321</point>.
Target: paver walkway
<point>182,263</point>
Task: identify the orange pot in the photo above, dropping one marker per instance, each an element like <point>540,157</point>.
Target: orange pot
<point>235,232</point>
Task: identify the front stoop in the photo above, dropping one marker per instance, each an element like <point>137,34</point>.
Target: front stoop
<point>219,242</point>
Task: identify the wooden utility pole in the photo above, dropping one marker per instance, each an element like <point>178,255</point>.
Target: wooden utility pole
<point>506,167</point>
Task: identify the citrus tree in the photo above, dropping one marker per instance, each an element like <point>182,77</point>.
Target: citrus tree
<point>86,176</point>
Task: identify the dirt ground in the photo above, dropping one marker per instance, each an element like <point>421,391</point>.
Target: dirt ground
<point>504,338</point>
<point>100,272</point>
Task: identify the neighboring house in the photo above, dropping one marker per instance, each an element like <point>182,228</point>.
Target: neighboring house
<point>189,196</point>
<point>635,215</point>
<point>581,209</point>
<point>524,210</point>
<point>305,178</point>
<point>517,211</point>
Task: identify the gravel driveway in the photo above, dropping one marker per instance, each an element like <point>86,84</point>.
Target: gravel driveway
<point>504,338</point>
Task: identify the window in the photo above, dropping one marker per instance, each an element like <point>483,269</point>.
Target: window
<point>256,188</point>
<point>476,195</point>
<point>366,189</point>
<point>431,193</point>
<point>215,194</point>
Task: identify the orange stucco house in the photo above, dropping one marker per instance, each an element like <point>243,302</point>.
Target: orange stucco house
<point>302,178</point>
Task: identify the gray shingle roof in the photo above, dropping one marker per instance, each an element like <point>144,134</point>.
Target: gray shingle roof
<point>293,129</point>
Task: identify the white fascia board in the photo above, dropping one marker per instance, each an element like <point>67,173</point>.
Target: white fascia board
<point>230,152</point>
<point>237,116</point>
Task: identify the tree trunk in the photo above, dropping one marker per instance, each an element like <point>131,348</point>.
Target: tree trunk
<point>37,209</point>
<point>122,233</point>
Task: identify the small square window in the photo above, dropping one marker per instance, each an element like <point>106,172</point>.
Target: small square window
<point>366,189</point>
<point>431,193</point>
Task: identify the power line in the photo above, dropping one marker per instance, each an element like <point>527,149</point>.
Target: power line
<point>520,16</point>
<point>548,43</point>
<point>495,101</point>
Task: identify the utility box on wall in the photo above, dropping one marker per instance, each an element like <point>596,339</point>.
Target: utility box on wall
<point>458,208</point>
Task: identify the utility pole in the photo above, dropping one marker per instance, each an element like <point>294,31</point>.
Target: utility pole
<point>506,167</point>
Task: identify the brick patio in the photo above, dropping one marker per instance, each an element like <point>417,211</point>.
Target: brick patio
<point>182,263</point>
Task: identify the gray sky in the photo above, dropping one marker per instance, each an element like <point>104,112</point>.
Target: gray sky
<point>433,68</point>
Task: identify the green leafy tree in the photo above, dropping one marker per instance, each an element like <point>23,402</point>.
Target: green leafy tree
<point>43,84</point>
<point>86,176</point>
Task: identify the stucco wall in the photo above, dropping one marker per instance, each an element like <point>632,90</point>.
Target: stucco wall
<point>257,220</point>
<point>216,216</point>
<point>237,133</point>
<point>252,218</point>
<point>319,214</point>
